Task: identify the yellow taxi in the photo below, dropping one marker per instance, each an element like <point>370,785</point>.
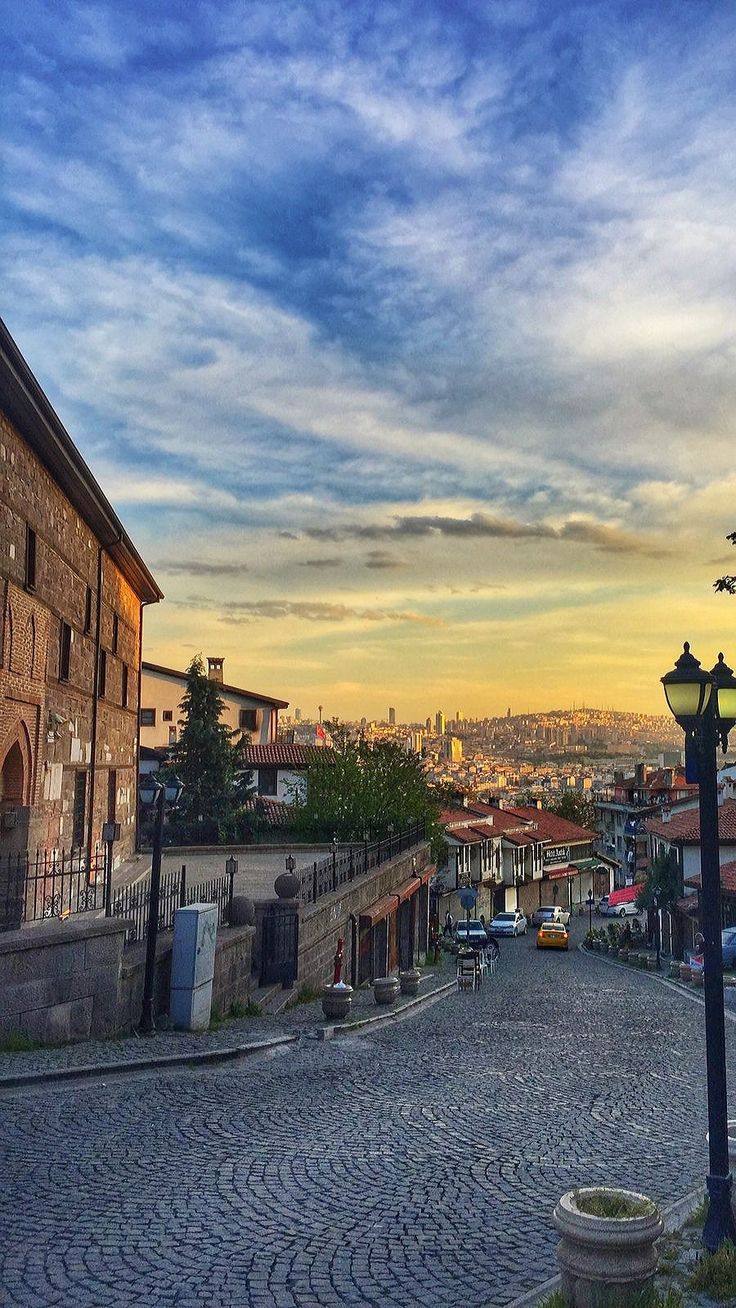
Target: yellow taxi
<point>553,935</point>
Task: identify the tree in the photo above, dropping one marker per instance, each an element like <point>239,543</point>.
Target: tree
<point>209,759</point>
<point>576,808</point>
<point>662,875</point>
<point>360,787</point>
<point>727,583</point>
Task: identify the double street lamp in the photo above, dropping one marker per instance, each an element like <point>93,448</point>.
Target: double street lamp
<point>155,795</point>
<point>704,705</point>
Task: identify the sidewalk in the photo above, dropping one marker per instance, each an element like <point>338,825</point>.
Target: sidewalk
<point>234,1038</point>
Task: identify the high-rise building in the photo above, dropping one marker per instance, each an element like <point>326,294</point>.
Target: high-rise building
<point>452,749</point>
<point>392,717</point>
<point>297,715</point>
<point>459,715</point>
<point>428,726</point>
<point>439,723</point>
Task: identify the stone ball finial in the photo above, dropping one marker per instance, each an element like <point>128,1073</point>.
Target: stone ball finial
<point>287,886</point>
<point>243,911</point>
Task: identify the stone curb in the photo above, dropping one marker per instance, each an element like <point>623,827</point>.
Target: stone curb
<point>392,1015</point>
<point>674,1216</point>
<point>680,987</point>
<point>87,1070</point>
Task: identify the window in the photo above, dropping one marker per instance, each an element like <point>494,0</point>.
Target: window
<point>115,632</point>
<point>168,715</point>
<point>78,812</point>
<point>102,674</point>
<point>267,781</point>
<point>88,611</point>
<point>148,717</point>
<point>65,651</point>
<point>30,559</point>
<point>112,794</point>
<point>249,719</point>
<point>124,686</point>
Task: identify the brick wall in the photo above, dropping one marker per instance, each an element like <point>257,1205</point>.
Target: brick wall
<point>50,715</point>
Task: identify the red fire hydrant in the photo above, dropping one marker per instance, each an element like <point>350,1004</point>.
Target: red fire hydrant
<point>338,961</point>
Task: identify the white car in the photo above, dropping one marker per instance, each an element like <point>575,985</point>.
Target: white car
<point>628,909</point>
<point>512,923</point>
<point>551,913</point>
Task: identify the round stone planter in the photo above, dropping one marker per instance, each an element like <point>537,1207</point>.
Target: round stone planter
<point>385,989</point>
<point>337,1001</point>
<point>674,968</point>
<point>685,972</point>
<point>651,963</point>
<point>409,981</point>
<point>643,962</point>
<point>697,977</point>
<point>605,1262</point>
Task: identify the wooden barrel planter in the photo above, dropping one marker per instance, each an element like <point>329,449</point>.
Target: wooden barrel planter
<point>606,1261</point>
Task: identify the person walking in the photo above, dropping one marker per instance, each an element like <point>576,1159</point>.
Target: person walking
<point>449,924</point>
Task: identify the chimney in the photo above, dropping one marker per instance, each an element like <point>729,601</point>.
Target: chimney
<point>214,670</point>
<point>666,814</point>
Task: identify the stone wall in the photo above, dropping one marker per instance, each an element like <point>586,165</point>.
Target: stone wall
<point>61,980</point>
<point>322,923</point>
<point>74,980</point>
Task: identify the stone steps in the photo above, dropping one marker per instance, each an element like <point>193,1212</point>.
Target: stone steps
<point>272,999</point>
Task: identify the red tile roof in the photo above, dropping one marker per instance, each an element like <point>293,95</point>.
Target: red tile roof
<point>684,828</point>
<point>284,756</point>
<point>554,828</point>
<point>728,878</point>
<point>523,837</point>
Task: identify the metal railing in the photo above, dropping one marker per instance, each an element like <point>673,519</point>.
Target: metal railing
<point>344,865</point>
<point>132,901</point>
<point>50,883</point>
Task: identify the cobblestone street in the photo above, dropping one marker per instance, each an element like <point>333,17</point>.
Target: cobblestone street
<point>417,1165</point>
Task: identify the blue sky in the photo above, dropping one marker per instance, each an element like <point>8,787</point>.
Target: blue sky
<point>400,335</point>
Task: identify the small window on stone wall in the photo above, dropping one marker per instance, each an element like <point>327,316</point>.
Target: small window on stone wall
<point>30,579</point>
<point>65,651</point>
<point>124,686</point>
<point>88,611</point>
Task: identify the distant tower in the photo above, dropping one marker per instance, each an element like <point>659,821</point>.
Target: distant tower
<point>319,707</point>
<point>508,712</point>
<point>439,723</point>
<point>459,715</point>
<point>392,717</point>
<point>297,715</point>
<point>428,726</point>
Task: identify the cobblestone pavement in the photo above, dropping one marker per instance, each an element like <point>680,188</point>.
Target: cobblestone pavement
<point>414,1166</point>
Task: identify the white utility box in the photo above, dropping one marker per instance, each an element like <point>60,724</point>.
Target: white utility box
<point>193,966</point>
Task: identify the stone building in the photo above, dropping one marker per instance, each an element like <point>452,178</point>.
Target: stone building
<point>72,591</point>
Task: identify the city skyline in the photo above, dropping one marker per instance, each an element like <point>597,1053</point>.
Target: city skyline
<point>399,335</point>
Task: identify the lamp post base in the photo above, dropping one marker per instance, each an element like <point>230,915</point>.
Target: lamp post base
<point>719,1224</point>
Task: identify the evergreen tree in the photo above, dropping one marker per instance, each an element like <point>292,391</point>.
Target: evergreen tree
<point>663,874</point>
<point>209,760</point>
<point>576,808</point>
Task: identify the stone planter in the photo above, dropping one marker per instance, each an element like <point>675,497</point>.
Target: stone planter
<point>409,981</point>
<point>674,968</point>
<point>685,972</point>
<point>385,989</point>
<point>697,977</point>
<point>643,962</point>
<point>337,1001</point>
<point>651,963</point>
<point>605,1262</point>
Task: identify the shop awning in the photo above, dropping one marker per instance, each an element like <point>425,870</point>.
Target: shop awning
<point>378,911</point>
<point>626,895</point>
<point>408,889</point>
<point>574,869</point>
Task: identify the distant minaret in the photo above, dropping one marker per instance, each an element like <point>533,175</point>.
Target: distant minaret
<point>508,712</point>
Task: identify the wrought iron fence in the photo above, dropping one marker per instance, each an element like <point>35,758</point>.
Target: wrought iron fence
<point>344,865</point>
<point>50,883</point>
<point>133,901</point>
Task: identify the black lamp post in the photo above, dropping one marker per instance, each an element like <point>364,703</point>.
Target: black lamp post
<point>157,795</point>
<point>656,897</point>
<point>591,901</point>
<point>704,705</point>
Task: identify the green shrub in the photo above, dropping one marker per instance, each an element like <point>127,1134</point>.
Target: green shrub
<point>611,1203</point>
<point>716,1274</point>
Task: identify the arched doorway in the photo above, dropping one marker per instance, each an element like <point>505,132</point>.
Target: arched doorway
<point>12,778</point>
